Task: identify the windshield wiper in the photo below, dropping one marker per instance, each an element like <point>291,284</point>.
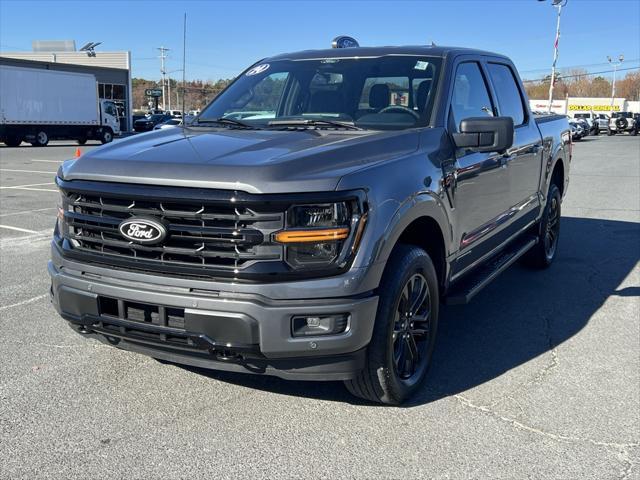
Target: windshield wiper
<point>308,122</point>
<point>224,121</point>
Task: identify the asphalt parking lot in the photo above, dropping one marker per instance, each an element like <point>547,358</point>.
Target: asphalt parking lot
<point>538,378</point>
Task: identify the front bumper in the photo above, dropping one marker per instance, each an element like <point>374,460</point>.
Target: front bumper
<point>224,330</point>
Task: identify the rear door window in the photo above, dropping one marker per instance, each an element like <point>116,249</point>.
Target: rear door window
<point>510,103</point>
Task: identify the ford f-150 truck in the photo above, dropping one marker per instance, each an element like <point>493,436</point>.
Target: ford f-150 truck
<point>313,218</point>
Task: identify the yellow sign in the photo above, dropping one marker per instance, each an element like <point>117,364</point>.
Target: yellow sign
<point>595,108</point>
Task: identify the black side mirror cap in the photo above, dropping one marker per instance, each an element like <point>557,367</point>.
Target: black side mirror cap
<point>485,134</point>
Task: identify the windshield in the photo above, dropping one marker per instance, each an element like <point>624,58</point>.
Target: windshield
<point>390,92</point>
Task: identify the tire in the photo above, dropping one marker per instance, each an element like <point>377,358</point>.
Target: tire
<point>391,374</point>
<point>41,139</point>
<point>13,141</point>
<point>548,231</point>
<point>81,141</point>
<point>634,132</point>
<point>610,132</point>
<point>106,136</point>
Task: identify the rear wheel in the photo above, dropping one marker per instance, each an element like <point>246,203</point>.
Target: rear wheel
<point>610,132</point>
<point>41,139</point>
<point>81,140</point>
<point>13,141</point>
<point>548,231</point>
<point>399,355</point>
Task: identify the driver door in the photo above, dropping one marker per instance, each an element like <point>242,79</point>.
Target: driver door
<point>481,191</point>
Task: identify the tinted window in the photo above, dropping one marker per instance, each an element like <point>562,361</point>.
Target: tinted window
<point>357,90</point>
<point>507,92</point>
<point>470,96</point>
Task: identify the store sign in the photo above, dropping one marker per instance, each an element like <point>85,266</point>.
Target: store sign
<point>153,92</point>
<point>595,108</point>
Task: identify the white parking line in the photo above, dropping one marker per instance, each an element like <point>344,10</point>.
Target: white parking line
<point>37,189</point>
<point>25,212</point>
<point>18,229</point>
<point>47,161</point>
<point>28,185</point>
<point>25,302</point>
<point>25,171</point>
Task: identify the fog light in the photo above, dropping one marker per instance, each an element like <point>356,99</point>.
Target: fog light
<point>312,325</point>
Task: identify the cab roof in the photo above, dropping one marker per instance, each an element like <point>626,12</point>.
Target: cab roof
<point>418,50</point>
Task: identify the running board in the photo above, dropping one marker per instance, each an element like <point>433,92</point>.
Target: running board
<point>469,287</point>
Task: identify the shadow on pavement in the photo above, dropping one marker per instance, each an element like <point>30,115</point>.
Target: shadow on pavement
<point>522,315</point>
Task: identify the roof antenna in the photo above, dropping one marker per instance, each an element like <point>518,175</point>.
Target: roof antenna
<point>433,44</point>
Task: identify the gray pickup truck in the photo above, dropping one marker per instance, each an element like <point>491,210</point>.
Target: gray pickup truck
<point>311,220</point>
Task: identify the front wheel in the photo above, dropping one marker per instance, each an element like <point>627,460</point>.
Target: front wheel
<point>106,136</point>
<point>404,333</point>
<point>548,232</point>
<point>609,132</point>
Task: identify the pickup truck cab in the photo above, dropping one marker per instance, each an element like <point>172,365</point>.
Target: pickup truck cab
<point>312,219</point>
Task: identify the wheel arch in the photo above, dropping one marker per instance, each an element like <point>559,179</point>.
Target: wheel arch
<point>424,223</point>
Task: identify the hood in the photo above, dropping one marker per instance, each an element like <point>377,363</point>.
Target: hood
<point>255,161</point>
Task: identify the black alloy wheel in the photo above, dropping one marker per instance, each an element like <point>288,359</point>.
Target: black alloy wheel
<point>412,329</point>
<point>552,231</point>
<point>403,340</point>
<point>542,254</point>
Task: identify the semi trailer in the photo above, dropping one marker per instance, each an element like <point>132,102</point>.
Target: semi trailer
<point>38,105</point>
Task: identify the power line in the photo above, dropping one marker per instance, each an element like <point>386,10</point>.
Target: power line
<point>633,60</point>
<point>580,75</point>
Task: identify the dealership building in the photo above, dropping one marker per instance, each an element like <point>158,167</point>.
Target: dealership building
<point>111,69</point>
<point>572,105</point>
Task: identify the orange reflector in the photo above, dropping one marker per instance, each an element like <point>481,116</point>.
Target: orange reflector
<point>305,236</point>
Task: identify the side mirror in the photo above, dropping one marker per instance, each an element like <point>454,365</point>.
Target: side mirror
<point>485,134</point>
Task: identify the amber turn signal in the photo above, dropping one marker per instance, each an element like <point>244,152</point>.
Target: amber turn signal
<point>306,236</point>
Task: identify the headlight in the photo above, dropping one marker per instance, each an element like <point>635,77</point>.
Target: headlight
<point>61,225</point>
<point>322,235</point>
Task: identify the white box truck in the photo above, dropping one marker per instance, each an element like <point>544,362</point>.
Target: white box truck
<point>38,105</point>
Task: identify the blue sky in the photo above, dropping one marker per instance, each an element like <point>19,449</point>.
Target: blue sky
<point>225,37</point>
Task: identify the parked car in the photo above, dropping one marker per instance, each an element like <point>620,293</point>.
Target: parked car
<point>623,122</point>
<point>592,122</point>
<point>174,113</point>
<point>577,130</point>
<point>603,122</point>
<point>586,126</point>
<point>314,241</point>
<point>171,123</point>
<point>147,123</point>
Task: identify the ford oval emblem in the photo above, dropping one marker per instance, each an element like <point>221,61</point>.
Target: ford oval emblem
<point>143,230</point>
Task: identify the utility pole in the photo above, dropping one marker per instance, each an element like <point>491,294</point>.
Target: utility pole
<point>163,71</point>
<point>613,85</point>
<point>558,4</point>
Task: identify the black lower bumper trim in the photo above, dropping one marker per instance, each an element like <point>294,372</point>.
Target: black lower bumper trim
<point>198,350</point>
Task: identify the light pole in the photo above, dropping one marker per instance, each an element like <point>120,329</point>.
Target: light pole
<point>558,4</point>
<point>615,68</point>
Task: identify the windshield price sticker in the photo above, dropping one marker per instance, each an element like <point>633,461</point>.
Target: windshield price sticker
<point>257,69</point>
<point>421,65</point>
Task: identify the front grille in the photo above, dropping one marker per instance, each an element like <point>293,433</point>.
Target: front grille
<point>206,235</point>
